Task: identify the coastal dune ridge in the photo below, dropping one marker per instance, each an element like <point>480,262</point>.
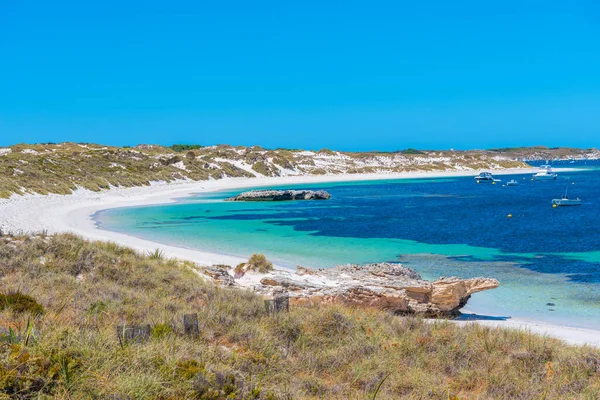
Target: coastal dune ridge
<point>74,213</point>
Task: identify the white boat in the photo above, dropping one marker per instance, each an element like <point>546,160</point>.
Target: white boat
<point>545,173</point>
<point>486,177</point>
<point>566,201</point>
<point>512,183</point>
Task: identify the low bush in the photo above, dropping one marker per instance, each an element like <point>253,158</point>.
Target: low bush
<point>184,147</point>
<point>259,263</point>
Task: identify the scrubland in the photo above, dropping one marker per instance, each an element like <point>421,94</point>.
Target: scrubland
<point>61,299</point>
<point>62,168</point>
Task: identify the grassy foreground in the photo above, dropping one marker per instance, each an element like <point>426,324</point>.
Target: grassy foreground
<point>61,341</point>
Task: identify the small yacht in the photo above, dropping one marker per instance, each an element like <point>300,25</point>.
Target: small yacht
<point>545,173</point>
<point>512,182</point>
<point>566,201</point>
<point>486,177</point>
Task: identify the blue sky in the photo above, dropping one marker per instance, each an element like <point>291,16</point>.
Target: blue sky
<point>346,75</point>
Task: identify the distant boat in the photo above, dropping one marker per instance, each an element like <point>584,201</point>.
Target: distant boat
<point>512,183</point>
<point>566,201</point>
<point>545,173</point>
<point>486,177</point>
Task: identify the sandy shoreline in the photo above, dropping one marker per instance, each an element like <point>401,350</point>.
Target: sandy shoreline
<point>73,213</point>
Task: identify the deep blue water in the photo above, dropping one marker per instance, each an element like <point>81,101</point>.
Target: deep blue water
<point>437,226</point>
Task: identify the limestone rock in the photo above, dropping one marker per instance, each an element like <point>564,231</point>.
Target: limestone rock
<point>218,274</point>
<point>281,195</point>
<point>385,286</point>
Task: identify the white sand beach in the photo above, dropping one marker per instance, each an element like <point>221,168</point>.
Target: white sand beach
<point>73,213</point>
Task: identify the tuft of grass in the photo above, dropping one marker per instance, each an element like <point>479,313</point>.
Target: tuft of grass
<point>157,254</point>
<point>161,330</point>
<point>259,263</point>
<point>239,270</point>
<point>20,303</point>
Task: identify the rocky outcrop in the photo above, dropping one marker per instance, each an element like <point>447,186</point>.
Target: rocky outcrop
<point>281,195</point>
<point>385,286</point>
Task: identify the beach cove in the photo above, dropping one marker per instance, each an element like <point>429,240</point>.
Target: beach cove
<point>73,214</point>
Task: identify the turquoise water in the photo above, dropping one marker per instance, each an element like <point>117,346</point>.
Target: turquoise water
<point>547,260</point>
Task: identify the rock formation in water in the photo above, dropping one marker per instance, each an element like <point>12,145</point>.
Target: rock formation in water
<point>385,286</point>
<point>281,195</point>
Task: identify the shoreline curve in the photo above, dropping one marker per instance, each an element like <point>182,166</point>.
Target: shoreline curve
<point>74,213</point>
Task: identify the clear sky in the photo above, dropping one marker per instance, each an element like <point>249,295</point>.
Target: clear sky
<point>345,75</point>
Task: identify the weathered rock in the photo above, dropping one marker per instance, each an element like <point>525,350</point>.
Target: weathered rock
<point>218,274</point>
<point>300,270</point>
<point>286,283</point>
<point>385,286</point>
<point>281,195</point>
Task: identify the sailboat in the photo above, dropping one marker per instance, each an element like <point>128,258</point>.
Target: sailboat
<point>566,201</point>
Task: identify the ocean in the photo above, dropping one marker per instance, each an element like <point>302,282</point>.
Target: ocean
<point>546,259</point>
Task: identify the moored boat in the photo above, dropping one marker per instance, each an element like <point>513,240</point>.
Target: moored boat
<point>545,173</point>
<point>486,177</point>
<point>512,182</point>
<point>566,201</point>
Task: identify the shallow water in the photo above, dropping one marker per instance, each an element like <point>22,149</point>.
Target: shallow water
<point>547,260</point>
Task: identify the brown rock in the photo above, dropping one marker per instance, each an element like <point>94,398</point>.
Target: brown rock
<point>385,286</point>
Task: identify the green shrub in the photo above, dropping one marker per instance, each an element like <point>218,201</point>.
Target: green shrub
<point>327,151</point>
<point>184,147</point>
<point>263,168</point>
<point>411,151</point>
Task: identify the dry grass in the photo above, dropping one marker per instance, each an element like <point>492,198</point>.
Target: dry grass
<point>258,262</point>
<point>72,351</point>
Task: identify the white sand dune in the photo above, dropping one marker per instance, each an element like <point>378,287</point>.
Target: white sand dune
<point>73,213</point>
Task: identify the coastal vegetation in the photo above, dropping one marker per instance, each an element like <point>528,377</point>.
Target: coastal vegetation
<point>257,263</point>
<point>64,167</point>
<point>184,147</point>
<point>72,342</point>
